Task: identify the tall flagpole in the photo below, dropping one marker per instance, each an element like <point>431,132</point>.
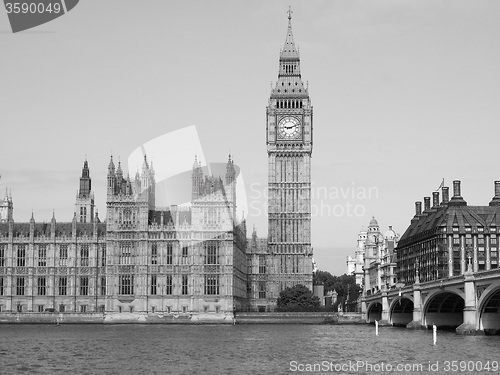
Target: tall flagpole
<point>440,186</point>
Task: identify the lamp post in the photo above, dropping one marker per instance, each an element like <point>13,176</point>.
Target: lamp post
<point>417,271</point>
<point>400,286</point>
<point>469,265</point>
<point>347,301</point>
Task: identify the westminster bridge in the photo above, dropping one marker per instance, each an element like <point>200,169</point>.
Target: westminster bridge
<point>469,302</point>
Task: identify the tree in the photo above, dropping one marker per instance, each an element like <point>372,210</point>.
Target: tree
<point>345,286</point>
<point>325,278</point>
<point>297,298</point>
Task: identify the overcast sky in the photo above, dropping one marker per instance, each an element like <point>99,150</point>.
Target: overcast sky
<point>405,93</point>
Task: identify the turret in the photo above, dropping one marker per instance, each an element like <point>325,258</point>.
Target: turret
<point>230,171</point>
<point>231,184</point>
<point>84,206</point>
<point>243,224</point>
<point>111,177</point>
<point>128,186</point>
<point>119,172</point>
<point>152,187</point>
<point>254,236</point>
<point>6,208</point>
<point>32,225</point>
<point>196,179</point>
<point>53,225</point>
<point>145,174</point>
<point>85,181</point>
<point>147,183</point>
<point>73,226</point>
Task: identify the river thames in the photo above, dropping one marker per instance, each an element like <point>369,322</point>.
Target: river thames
<point>240,349</point>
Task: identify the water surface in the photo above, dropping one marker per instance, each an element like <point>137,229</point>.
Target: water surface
<point>239,349</point>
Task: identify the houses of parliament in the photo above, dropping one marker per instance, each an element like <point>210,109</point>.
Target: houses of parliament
<point>179,260</point>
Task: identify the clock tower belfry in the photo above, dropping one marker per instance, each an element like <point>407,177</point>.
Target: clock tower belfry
<point>289,147</point>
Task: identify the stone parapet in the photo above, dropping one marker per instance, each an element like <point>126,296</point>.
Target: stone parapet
<point>298,318</point>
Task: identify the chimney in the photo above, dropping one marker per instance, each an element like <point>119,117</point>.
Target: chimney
<point>446,195</point>
<point>427,204</point>
<point>496,199</point>
<point>456,189</point>
<point>418,208</point>
<point>435,199</point>
<point>457,199</point>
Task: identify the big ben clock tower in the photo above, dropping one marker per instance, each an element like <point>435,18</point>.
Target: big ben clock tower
<point>289,148</point>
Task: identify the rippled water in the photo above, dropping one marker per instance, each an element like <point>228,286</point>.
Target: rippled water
<point>240,349</point>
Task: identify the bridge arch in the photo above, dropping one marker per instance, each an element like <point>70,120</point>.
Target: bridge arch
<point>444,309</point>
<point>489,310</point>
<point>374,312</point>
<point>401,311</point>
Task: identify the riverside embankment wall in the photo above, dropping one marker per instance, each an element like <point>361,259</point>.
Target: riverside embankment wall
<point>142,318</point>
<point>298,318</point>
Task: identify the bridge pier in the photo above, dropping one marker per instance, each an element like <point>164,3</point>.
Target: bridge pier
<point>470,314</point>
<point>385,310</point>
<point>416,323</point>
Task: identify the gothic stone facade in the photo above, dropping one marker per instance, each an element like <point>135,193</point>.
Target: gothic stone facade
<point>174,260</point>
<point>374,265</point>
<point>180,260</point>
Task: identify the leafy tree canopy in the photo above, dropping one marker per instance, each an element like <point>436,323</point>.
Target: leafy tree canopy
<point>297,298</point>
<point>344,285</point>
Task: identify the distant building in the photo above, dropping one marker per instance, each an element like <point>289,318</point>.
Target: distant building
<point>374,262</point>
<point>443,238</point>
<point>351,265</point>
<point>356,265</point>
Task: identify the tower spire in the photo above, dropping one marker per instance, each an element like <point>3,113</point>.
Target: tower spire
<point>111,165</point>
<point>289,84</point>
<point>289,50</point>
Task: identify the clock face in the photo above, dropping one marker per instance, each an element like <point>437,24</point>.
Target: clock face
<point>289,128</point>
